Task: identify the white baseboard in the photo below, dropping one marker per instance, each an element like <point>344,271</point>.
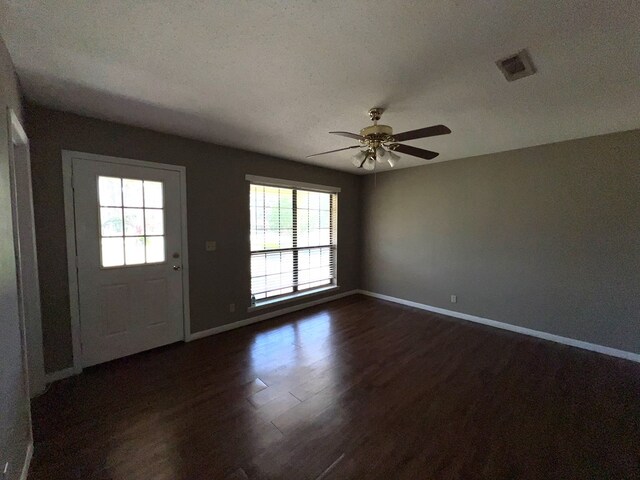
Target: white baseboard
<point>27,462</point>
<point>266,316</point>
<point>634,357</point>
<point>60,374</point>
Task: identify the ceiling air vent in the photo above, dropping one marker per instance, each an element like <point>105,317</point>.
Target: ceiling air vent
<point>516,66</point>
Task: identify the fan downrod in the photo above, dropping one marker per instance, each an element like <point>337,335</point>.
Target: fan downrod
<point>374,135</point>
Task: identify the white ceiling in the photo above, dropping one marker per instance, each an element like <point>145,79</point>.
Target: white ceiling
<point>276,76</point>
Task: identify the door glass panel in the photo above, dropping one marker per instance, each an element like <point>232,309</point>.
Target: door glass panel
<point>155,249</point>
<point>112,252</point>
<point>153,194</point>
<point>132,192</point>
<point>131,221</point>
<point>110,190</point>
<point>134,251</point>
<point>111,222</point>
<point>154,221</point>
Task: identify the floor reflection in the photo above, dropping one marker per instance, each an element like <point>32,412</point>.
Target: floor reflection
<point>296,361</point>
<point>293,345</point>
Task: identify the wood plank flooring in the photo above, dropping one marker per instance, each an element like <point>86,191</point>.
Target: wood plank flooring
<point>357,388</point>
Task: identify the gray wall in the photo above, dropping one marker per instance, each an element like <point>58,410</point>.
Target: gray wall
<point>15,429</point>
<point>218,209</point>
<point>546,238</point>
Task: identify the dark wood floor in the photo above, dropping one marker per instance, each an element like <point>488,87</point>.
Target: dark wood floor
<point>357,388</point>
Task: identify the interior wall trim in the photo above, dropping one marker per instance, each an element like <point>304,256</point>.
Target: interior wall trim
<point>27,462</point>
<point>267,316</point>
<point>26,252</point>
<point>613,352</point>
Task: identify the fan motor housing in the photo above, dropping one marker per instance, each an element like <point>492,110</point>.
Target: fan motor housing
<point>377,132</point>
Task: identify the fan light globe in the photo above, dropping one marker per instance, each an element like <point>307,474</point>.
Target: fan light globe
<point>358,158</point>
<point>369,164</point>
<point>380,153</point>
<point>393,159</point>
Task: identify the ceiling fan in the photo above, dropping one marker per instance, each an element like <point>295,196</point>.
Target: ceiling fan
<point>377,143</point>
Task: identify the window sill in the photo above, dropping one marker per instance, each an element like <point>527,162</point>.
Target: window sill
<point>289,298</point>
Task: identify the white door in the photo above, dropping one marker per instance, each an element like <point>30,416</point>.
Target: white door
<point>129,258</point>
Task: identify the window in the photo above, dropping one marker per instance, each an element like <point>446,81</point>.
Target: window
<point>131,221</point>
<point>293,240</point>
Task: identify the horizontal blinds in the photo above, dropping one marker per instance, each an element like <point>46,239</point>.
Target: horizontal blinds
<point>293,240</point>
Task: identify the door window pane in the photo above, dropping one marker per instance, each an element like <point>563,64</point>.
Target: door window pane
<point>131,221</point>
<point>132,192</point>
<point>152,194</point>
<point>154,221</point>
<point>110,222</point>
<point>134,251</point>
<point>155,249</point>
<point>110,191</point>
<point>112,252</point>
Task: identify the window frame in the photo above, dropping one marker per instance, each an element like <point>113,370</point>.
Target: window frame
<point>296,186</point>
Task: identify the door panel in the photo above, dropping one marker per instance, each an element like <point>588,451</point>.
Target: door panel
<point>155,292</point>
<point>129,253</point>
<point>115,318</point>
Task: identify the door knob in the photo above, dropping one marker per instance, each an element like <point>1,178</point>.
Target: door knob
<point>177,267</point>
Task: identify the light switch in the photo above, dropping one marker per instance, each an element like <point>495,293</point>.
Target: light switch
<point>210,246</point>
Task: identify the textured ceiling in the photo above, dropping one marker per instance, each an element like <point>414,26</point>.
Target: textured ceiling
<point>276,76</point>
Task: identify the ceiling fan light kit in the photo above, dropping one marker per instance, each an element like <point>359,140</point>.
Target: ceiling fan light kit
<point>377,143</point>
<point>369,164</point>
<point>358,158</point>
<point>393,159</point>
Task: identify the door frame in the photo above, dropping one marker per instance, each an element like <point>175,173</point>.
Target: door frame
<point>68,156</point>
<point>32,326</point>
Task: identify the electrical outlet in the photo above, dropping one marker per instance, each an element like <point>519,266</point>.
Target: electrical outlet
<point>210,246</point>
<point>232,307</point>
<point>454,298</point>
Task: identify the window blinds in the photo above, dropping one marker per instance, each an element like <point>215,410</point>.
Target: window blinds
<point>293,240</point>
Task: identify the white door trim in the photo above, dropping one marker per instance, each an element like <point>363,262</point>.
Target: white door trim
<point>67,174</point>
<point>33,353</point>
<point>27,462</point>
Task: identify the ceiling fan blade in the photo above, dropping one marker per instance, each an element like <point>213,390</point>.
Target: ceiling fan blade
<point>349,135</point>
<point>416,152</point>
<point>331,151</point>
<point>422,133</point>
